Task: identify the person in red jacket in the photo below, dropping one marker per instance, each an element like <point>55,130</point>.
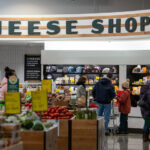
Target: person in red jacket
<point>124,108</point>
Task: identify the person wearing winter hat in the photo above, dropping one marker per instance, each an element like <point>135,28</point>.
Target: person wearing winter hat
<point>124,108</point>
<point>145,91</point>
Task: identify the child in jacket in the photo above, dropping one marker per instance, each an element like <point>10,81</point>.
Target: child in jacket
<point>124,108</point>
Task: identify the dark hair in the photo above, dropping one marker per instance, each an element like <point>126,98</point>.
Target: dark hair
<point>109,75</point>
<point>81,81</point>
<point>8,72</point>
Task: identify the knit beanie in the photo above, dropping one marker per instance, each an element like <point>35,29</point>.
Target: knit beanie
<point>125,84</point>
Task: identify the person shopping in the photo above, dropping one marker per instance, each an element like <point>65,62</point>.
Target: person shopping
<point>8,73</point>
<point>103,92</point>
<point>124,108</point>
<point>145,94</point>
<point>81,92</point>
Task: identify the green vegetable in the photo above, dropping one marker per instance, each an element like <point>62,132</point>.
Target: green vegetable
<point>48,124</point>
<point>38,126</point>
<point>27,124</point>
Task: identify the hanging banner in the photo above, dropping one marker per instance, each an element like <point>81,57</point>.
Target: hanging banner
<point>133,23</point>
<point>12,103</point>
<point>39,101</point>
<point>13,84</point>
<point>47,85</point>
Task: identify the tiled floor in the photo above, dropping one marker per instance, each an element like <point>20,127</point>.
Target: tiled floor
<point>126,142</point>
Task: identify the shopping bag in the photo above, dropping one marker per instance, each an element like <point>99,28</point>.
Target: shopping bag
<point>81,101</point>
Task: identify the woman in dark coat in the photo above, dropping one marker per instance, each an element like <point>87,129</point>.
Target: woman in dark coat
<point>145,91</point>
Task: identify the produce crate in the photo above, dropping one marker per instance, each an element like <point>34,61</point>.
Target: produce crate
<point>18,146</point>
<point>40,140</point>
<point>81,135</point>
<point>62,103</point>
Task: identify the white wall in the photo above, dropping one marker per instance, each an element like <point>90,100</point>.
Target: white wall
<point>12,55</point>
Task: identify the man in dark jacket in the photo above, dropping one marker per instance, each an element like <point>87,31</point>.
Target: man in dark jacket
<point>145,92</point>
<point>103,93</point>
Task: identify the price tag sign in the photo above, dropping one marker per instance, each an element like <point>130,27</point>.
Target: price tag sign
<point>47,85</point>
<point>12,103</point>
<point>97,77</point>
<point>72,80</point>
<point>90,88</point>
<point>39,100</point>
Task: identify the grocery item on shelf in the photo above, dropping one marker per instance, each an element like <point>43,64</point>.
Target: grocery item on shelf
<point>136,90</point>
<point>79,69</point>
<point>65,69</point>
<point>71,69</point>
<point>106,70</point>
<point>59,69</point>
<point>137,69</point>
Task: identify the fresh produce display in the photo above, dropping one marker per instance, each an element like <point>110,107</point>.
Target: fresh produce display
<point>38,126</point>
<point>29,121</point>
<point>89,114</point>
<point>56,112</point>
<point>28,105</point>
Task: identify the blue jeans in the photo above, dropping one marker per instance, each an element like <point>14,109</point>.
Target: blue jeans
<point>145,128</point>
<point>123,123</point>
<point>106,109</point>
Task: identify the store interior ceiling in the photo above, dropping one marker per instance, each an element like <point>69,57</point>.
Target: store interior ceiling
<point>48,7</point>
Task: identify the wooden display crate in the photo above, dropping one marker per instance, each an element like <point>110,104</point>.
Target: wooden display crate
<point>81,135</point>
<point>62,103</point>
<point>18,146</point>
<point>40,140</point>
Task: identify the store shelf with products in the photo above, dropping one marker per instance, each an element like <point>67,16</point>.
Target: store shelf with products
<point>67,75</point>
<point>138,74</point>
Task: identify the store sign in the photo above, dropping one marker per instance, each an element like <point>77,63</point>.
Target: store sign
<point>39,101</point>
<point>12,103</point>
<point>32,67</point>
<point>47,85</point>
<point>13,84</point>
<point>89,25</point>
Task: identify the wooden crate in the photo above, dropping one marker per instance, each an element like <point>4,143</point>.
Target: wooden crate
<point>18,146</point>
<point>81,135</point>
<point>62,103</point>
<point>40,140</point>
<point>63,138</point>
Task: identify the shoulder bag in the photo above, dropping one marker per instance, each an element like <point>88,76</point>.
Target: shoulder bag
<point>142,103</point>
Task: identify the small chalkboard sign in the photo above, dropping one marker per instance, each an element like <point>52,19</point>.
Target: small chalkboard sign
<point>32,67</point>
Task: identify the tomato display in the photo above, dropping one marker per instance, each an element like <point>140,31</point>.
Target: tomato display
<point>56,112</point>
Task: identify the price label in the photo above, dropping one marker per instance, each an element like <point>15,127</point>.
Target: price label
<point>12,103</point>
<point>39,100</point>
<point>72,80</point>
<point>97,77</point>
<point>90,88</point>
<point>57,91</point>
<point>47,85</point>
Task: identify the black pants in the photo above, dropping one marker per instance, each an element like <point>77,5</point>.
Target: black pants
<point>123,123</point>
